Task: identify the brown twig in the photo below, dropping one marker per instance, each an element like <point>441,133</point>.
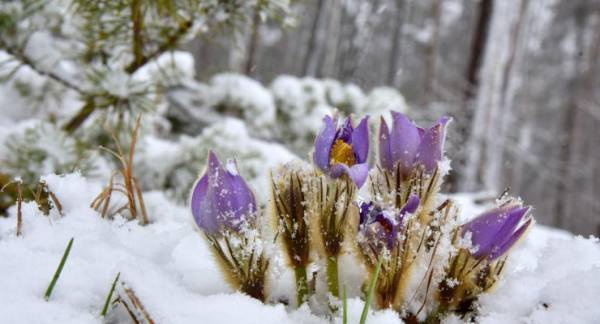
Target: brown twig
<point>19,204</point>
<point>133,305</point>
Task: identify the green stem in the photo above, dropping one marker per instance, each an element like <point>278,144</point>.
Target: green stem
<point>344,306</point>
<point>301,285</point>
<point>363,316</point>
<point>58,270</point>
<point>332,276</point>
<point>436,316</point>
<point>109,297</point>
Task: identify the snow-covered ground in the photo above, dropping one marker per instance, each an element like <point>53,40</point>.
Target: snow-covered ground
<point>552,276</point>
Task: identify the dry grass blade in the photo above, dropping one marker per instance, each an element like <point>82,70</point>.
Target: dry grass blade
<point>56,202</point>
<point>133,305</point>
<point>138,191</point>
<point>129,188</point>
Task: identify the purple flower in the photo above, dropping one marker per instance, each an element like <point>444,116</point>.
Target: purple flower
<point>364,208</point>
<point>343,150</point>
<point>496,231</point>
<point>410,145</point>
<point>382,226</point>
<point>221,200</point>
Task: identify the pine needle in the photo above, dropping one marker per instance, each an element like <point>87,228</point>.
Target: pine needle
<point>109,297</point>
<point>58,270</point>
<point>363,316</point>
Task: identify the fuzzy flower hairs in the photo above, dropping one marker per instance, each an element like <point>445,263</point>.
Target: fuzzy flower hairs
<point>405,227</point>
<point>224,208</point>
<point>419,260</point>
<point>478,264</point>
<point>340,157</point>
<point>409,160</point>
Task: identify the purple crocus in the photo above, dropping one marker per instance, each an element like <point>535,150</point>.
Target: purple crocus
<point>221,199</point>
<point>343,150</point>
<point>382,226</point>
<point>410,145</point>
<point>494,232</point>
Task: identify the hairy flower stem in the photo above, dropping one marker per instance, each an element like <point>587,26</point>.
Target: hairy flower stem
<point>254,289</point>
<point>438,314</point>
<point>301,285</point>
<point>332,276</point>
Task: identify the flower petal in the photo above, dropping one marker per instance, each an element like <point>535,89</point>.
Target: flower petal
<point>345,132</point>
<point>411,205</point>
<point>431,148</point>
<point>323,143</point>
<point>386,230</point>
<point>511,222</point>
<point>199,208</point>
<point>510,241</point>
<point>364,209</point>
<point>486,228</point>
<point>234,200</point>
<point>203,208</point>
<point>385,155</point>
<point>404,142</point>
<point>360,140</point>
<point>242,198</point>
<point>358,173</point>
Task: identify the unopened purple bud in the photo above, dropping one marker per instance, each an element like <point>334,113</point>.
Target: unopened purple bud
<point>494,232</point>
<point>221,200</point>
<point>384,225</point>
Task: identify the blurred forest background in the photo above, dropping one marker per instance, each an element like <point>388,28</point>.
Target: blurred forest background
<point>520,77</point>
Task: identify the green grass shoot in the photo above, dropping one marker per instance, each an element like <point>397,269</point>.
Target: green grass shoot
<point>109,297</point>
<point>365,311</point>
<point>344,306</point>
<point>58,270</point>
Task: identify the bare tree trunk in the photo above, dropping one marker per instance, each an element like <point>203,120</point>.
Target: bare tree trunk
<point>354,37</point>
<point>327,55</point>
<point>589,91</point>
<point>312,55</point>
<point>396,43</point>
<point>252,45</point>
<point>478,43</point>
<point>561,203</point>
<point>483,143</point>
<point>432,53</point>
<point>345,51</point>
<point>506,114</point>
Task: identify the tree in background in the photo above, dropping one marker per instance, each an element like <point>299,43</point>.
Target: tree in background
<point>518,76</point>
<point>98,50</point>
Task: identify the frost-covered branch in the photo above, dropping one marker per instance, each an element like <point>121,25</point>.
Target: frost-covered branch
<point>23,59</point>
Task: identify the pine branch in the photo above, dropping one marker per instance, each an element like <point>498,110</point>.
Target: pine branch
<point>85,111</point>
<point>138,25</point>
<point>24,60</point>
<point>169,44</point>
<point>78,119</point>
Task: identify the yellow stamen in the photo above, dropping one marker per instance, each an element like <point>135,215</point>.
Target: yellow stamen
<point>341,152</point>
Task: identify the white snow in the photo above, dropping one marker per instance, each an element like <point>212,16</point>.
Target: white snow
<point>169,267</point>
